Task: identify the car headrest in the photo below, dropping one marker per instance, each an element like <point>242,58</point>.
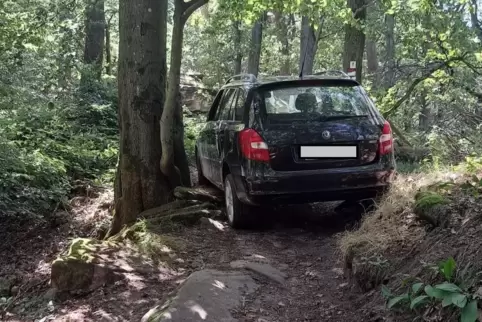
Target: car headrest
<point>306,102</point>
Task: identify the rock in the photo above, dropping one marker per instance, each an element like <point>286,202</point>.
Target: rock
<point>262,269</point>
<point>14,290</point>
<point>206,295</point>
<point>71,274</point>
<point>88,265</point>
<point>6,284</point>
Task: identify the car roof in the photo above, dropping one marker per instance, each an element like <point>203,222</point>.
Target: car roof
<point>249,80</point>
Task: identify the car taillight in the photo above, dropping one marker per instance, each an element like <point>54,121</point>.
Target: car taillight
<point>252,145</point>
<point>386,139</point>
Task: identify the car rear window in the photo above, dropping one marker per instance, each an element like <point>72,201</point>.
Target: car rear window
<point>319,100</point>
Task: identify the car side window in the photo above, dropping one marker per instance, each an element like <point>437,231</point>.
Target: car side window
<point>213,112</point>
<point>239,106</point>
<point>225,107</point>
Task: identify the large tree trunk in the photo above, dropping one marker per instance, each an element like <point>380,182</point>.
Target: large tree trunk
<point>142,65</point>
<point>355,39</point>
<point>389,70</point>
<point>171,121</point>
<point>238,57</point>
<point>308,46</point>
<point>255,46</point>
<point>94,37</point>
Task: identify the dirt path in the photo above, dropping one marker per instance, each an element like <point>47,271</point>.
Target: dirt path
<point>302,245</point>
<point>300,242</point>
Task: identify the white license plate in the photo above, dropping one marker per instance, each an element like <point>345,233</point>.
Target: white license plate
<point>320,152</point>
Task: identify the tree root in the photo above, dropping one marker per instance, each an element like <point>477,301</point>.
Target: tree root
<point>203,210</point>
<point>199,193</point>
<point>159,211</point>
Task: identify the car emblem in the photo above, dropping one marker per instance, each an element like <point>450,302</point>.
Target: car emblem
<point>326,135</point>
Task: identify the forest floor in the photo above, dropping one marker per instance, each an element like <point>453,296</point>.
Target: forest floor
<point>300,242</point>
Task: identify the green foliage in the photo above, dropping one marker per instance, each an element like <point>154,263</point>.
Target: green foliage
<point>448,294</point>
<point>51,132</point>
<point>192,126</point>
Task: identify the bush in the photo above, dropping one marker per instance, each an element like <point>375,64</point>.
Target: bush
<point>48,143</point>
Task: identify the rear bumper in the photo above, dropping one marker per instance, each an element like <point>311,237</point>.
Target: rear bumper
<point>313,186</point>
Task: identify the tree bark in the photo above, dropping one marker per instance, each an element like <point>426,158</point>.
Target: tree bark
<point>474,18</point>
<point>308,46</point>
<point>389,70</point>
<point>139,182</point>
<point>171,129</point>
<point>425,116</point>
<point>108,51</point>
<point>355,39</point>
<point>238,57</point>
<point>94,37</point>
<point>283,25</point>
<point>255,46</point>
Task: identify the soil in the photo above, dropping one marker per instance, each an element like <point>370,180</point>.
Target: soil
<point>298,240</point>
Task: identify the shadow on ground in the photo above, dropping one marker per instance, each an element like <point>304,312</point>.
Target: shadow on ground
<point>327,218</point>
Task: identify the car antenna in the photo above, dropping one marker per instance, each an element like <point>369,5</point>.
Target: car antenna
<point>306,47</point>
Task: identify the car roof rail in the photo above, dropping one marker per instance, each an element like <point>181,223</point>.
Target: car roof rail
<point>242,77</point>
<point>332,73</point>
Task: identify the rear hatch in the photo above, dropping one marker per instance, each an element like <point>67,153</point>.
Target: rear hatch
<point>318,124</point>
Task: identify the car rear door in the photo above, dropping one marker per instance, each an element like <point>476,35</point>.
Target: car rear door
<point>222,117</point>
<point>206,142</point>
<point>340,130</point>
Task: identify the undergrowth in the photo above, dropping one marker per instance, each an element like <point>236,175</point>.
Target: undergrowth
<point>49,140</point>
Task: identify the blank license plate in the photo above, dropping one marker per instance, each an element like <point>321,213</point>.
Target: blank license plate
<point>320,152</point>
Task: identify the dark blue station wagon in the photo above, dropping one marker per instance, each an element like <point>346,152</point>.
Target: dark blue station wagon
<point>291,140</point>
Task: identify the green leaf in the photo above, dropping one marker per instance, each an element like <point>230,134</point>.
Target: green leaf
<point>418,301</point>
<point>447,301</point>
<point>397,299</point>
<point>386,292</point>
<point>448,287</point>
<point>435,293</point>
<point>448,268</point>
<point>469,312</point>
<point>459,300</point>
<point>416,287</point>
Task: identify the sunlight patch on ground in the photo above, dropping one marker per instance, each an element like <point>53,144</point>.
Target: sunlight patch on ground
<point>196,308</point>
<point>219,284</point>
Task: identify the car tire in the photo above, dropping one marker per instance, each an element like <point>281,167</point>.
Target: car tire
<point>201,179</point>
<point>239,214</point>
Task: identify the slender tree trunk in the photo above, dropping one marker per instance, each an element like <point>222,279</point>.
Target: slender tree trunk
<point>139,184</point>
<point>371,50</point>
<point>172,138</point>
<point>283,25</point>
<point>425,113</point>
<point>389,70</point>
<point>94,37</point>
<point>238,58</point>
<point>255,46</point>
<point>355,39</point>
<point>474,18</point>
<point>308,46</point>
<point>108,52</point>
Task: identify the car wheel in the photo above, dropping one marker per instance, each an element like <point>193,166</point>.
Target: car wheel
<point>201,179</point>
<point>239,214</point>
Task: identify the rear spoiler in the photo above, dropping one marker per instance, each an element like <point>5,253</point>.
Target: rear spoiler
<point>309,82</point>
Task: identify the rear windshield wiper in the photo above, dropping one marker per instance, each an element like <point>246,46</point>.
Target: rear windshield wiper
<point>341,117</point>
